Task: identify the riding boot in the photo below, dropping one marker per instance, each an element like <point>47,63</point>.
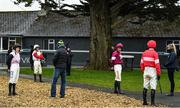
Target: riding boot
<point>34,77</point>
<point>115,87</point>
<point>119,87</point>
<point>10,92</point>
<point>144,97</point>
<point>14,89</point>
<point>153,97</point>
<point>40,78</point>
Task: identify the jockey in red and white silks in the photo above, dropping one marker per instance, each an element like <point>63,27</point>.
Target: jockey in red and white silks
<point>37,57</point>
<point>150,67</point>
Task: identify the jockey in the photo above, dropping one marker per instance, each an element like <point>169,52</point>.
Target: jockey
<point>117,62</point>
<point>37,57</point>
<point>150,67</point>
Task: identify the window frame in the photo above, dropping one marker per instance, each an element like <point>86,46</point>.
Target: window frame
<point>9,40</point>
<point>51,42</point>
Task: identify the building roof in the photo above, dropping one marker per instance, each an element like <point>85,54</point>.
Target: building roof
<point>30,23</point>
<point>16,23</point>
<point>54,24</point>
<point>148,29</point>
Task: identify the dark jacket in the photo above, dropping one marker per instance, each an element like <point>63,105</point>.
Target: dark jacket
<point>171,62</point>
<point>31,57</point>
<point>9,59</point>
<point>9,51</point>
<point>60,58</point>
<point>69,57</point>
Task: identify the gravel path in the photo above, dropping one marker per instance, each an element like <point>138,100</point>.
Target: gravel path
<point>33,94</point>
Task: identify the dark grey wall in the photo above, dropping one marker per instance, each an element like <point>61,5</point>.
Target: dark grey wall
<point>75,43</point>
<point>79,59</point>
<point>139,45</point>
<point>130,44</point>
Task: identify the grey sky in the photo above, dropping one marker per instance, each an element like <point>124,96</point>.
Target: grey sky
<point>8,5</point>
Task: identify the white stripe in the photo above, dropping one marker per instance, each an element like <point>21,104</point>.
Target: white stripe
<point>121,57</point>
<point>113,58</point>
<point>142,61</point>
<point>148,59</point>
<point>156,61</point>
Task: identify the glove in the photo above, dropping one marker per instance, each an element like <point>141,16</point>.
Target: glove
<point>158,77</point>
<point>165,65</point>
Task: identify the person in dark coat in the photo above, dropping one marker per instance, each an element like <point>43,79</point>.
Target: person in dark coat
<point>31,58</point>
<point>9,50</point>
<point>69,60</point>
<point>171,66</point>
<point>60,63</point>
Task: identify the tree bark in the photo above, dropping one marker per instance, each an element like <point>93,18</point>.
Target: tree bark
<point>100,34</point>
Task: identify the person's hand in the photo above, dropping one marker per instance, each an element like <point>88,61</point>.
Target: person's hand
<point>165,65</point>
<point>39,52</point>
<point>158,77</point>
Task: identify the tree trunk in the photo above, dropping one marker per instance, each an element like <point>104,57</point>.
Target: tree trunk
<point>100,34</point>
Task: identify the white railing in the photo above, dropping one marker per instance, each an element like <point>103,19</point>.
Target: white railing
<point>85,51</point>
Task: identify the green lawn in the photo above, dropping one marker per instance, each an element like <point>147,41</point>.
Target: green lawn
<point>131,81</point>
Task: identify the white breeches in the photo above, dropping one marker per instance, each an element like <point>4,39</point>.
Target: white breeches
<point>118,70</point>
<point>37,67</point>
<point>14,73</point>
<point>150,78</point>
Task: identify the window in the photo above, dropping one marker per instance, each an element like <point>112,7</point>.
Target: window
<point>45,44</point>
<point>51,44</point>
<point>5,43</point>
<point>176,43</point>
<point>12,41</point>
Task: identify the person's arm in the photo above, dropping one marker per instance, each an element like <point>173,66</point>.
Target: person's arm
<point>172,59</point>
<point>113,58</point>
<point>142,64</point>
<point>9,59</point>
<point>157,64</point>
<point>38,56</point>
<point>55,58</point>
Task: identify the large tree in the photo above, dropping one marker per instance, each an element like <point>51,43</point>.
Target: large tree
<point>104,15</point>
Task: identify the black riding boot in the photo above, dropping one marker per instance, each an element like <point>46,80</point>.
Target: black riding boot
<point>119,87</point>
<point>40,78</point>
<point>14,89</point>
<point>34,77</point>
<point>10,92</point>
<point>153,97</point>
<point>144,97</point>
<point>115,87</point>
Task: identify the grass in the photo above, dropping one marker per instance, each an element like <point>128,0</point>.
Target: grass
<point>131,81</point>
